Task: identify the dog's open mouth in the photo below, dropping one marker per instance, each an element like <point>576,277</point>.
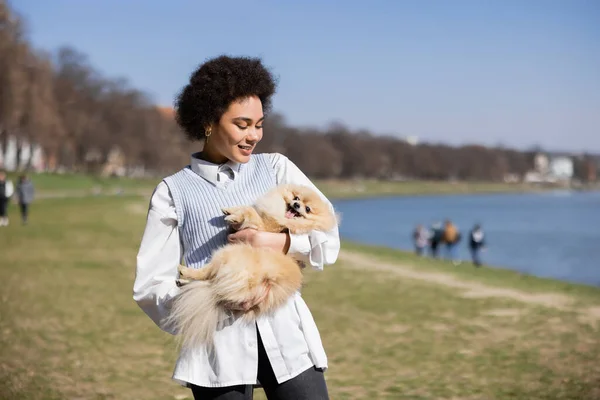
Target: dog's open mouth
<point>292,213</point>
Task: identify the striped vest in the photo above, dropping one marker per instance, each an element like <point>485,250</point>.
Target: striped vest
<point>198,203</point>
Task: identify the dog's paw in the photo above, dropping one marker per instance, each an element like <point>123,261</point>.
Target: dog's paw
<point>240,218</point>
<point>182,282</point>
<point>184,272</point>
<point>235,217</point>
<point>232,210</point>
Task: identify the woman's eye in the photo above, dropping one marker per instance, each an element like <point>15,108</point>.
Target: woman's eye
<point>242,127</point>
<point>307,209</point>
<point>258,127</point>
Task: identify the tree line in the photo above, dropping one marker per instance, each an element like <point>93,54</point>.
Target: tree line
<point>78,116</point>
<point>338,152</point>
<point>60,102</point>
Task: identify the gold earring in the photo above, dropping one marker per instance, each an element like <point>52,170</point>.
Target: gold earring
<point>208,133</point>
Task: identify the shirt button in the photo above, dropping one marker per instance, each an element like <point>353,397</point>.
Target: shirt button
<point>251,344</point>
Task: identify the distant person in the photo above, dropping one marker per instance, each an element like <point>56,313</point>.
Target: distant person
<point>6,191</point>
<point>451,237</point>
<point>420,239</point>
<point>476,244</point>
<point>435,238</point>
<point>25,196</point>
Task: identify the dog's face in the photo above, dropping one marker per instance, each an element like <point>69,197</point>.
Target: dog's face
<point>302,202</point>
<point>305,210</point>
<point>298,208</point>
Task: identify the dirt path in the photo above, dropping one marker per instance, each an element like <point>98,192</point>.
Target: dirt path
<point>469,289</point>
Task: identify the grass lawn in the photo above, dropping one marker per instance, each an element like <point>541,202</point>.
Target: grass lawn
<point>57,185</point>
<point>394,326</point>
<point>60,185</point>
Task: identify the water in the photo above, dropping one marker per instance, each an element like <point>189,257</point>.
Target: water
<point>554,234</point>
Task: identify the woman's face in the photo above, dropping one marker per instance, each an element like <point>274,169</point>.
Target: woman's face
<point>236,134</point>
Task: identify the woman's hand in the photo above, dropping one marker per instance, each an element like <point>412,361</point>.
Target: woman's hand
<point>276,241</point>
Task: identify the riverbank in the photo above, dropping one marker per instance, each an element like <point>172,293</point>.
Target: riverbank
<point>466,271</point>
<point>343,189</point>
<point>394,326</point>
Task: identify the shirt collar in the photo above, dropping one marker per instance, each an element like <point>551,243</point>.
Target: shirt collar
<point>210,171</point>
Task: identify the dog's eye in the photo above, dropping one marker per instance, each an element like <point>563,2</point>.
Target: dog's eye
<point>296,198</point>
<point>307,209</point>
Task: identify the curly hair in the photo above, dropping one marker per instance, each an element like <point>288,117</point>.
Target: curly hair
<point>217,83</point>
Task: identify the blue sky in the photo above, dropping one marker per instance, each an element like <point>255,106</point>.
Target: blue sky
<point>519,73</point>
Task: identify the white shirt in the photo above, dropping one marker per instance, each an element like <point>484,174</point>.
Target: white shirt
<point>478,236</point>
<point>290,336</point>
<point>9,189</point>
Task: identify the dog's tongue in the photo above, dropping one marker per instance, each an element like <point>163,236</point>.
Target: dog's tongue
<point>289,214</point>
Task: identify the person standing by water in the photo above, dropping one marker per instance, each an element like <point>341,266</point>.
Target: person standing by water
<point>476,244</point>
<point>25,194</point>
<point>420,239</point>
<point>451,237</point>
<point>435,238</point>
<point>223,107</point>
<point>6,191</point>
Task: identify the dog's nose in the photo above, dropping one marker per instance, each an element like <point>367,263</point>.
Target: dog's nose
<point>296,205</point>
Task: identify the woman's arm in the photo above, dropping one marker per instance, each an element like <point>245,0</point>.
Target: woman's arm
<point>276,241</point>
<point>158,257</point>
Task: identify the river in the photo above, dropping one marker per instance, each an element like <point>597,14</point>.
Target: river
<point>552,234</point>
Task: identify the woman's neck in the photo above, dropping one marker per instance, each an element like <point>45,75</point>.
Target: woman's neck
<point>207,154</point>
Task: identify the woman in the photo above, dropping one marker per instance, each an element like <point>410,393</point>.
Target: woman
<point>223,106</point>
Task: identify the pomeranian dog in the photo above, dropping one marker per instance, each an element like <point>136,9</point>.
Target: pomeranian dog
<point>246,280</point>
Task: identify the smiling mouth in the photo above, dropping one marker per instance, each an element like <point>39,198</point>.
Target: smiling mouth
<point>292,213</point>
<point>247,148</point>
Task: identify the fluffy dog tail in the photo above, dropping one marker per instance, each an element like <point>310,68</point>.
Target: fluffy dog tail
<point>195,314</point>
